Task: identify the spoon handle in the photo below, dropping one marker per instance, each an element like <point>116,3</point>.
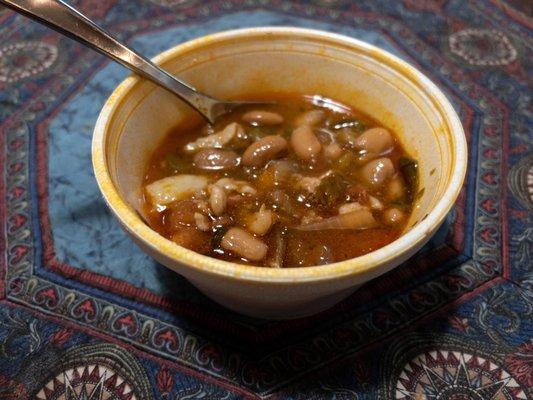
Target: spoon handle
<point>63,18</point>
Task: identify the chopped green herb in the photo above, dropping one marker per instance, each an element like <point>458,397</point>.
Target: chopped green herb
<point>347,137</point>
<point>239,173</point>
<point>240,143</point>
<point>346,162</point>
<point>402,204</point>
<point>330,191</point>
<point>177,164</point>
<point>218,234</point>
<point>409,171</point>
<point>257,132</point>
<point>286,133</point>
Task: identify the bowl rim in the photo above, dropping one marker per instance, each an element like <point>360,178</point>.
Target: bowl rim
<point>359,266</point>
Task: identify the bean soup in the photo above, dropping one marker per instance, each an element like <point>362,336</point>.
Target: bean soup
<point>300,182</point>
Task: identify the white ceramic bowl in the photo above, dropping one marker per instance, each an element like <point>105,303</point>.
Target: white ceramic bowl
<point>138,115</point>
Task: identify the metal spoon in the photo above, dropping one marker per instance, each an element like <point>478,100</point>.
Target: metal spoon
<point>67,20</point>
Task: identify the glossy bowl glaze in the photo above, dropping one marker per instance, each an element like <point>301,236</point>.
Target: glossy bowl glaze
<point>231,64</point>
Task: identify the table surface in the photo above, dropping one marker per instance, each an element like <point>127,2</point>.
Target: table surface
<point>85,314</point>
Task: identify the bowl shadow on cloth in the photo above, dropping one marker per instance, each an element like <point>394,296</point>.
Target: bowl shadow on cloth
<point>256,338</point>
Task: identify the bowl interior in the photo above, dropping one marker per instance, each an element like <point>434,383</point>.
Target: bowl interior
<point>234,65</point>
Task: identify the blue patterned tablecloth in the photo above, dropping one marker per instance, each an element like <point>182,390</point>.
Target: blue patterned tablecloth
<point>84,314</point>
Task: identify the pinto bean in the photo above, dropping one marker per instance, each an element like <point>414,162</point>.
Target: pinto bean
<point>349,207</point>
<point>217,199</point>
<point>304,143</point>
<point>216,159</point>
<point>240,242</point>
<point>261,117</point>
<point>375,140</point>
<point>375,203</point>
<point>310,118</point>
<point>261,221</point>
<point>203,206</point>
<point>202,222</point>
<point>376,172</point>
<point>393,216</point>
<point>262,151</point>
<point>396,188</point>
<point>332,151</point>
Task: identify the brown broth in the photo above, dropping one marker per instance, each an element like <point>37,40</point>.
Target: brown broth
<point>301,247</point>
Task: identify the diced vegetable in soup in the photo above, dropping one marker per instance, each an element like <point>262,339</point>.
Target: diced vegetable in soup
<point>290,184</point>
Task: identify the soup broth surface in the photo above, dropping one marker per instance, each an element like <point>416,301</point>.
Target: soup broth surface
<point>297,183</point>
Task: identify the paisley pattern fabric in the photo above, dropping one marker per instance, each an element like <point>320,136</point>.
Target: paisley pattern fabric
<point>85,314</point>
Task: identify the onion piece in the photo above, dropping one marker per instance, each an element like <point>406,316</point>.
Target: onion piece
<point>358,219</point>
<point>276,261</point>
<point>215,140</point>
<point>173,188</point>
<point>230,184</point>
